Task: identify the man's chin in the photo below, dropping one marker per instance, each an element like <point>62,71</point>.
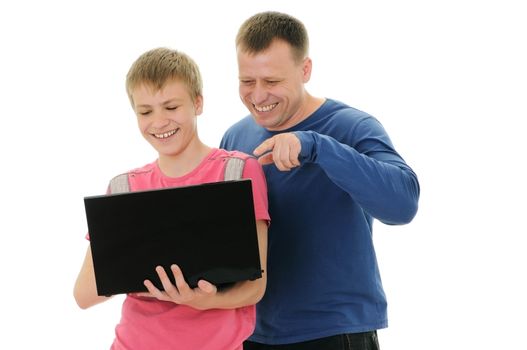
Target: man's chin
<point>265,121</point>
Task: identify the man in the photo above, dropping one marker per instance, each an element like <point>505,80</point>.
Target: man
<point>330,169</point>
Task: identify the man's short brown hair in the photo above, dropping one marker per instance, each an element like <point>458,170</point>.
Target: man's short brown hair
<point>258,32</point>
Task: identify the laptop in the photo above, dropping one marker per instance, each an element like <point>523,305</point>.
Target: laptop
<point>208,230</point>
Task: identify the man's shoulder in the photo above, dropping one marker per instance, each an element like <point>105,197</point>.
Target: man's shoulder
<point>336,116</point>
<point>242,124</point>
<point>344,110</point>
<point>244,135</point>
<point>341,121</point>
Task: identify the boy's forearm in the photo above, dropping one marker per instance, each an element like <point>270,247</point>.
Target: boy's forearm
<point>85,290</point>
<point>246,292</point>
<point>241,294</point>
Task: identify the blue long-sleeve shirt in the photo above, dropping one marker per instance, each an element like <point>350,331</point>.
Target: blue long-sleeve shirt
<point>323,277</point>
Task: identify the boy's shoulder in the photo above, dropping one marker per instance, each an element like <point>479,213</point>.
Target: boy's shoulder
<point>121,183</point>
<point>145,169</point>
<point>234,164</point>
<point>233,154</point>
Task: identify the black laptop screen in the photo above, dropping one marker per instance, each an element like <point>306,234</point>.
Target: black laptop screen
<point>209,230</point>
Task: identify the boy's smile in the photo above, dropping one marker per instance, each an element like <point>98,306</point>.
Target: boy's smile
<point>167,117</point>
<point>167,134</point>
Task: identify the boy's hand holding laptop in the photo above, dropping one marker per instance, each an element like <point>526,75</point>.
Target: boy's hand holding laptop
<point>181,292</point>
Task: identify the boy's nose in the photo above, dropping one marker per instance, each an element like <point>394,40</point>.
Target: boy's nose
<point>160,120</point>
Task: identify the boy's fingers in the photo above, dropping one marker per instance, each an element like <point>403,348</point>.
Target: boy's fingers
<point>182,286</point>
<point>207,287</point>
<point>154,292</point>
<point>169,288</point>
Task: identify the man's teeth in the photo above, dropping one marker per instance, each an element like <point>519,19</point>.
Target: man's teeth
<point>265,108</point>
<point>166,134</point>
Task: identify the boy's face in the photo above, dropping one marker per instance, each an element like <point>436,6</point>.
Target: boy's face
<point>167,118</point>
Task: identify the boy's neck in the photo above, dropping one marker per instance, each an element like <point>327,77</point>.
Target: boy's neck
<point>183,163</point>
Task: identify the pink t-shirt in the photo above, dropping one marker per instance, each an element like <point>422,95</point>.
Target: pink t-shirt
<point>148,323</point>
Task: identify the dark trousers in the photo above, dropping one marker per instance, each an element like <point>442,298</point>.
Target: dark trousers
<point>350,341</point>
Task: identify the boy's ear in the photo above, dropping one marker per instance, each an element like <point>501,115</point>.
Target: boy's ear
<point>198,105</point>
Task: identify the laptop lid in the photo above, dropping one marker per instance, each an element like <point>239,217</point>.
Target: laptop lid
<point>209,230</point>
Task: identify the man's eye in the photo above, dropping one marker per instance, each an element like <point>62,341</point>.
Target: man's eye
<point>246,82</point>
<point>272,82</point>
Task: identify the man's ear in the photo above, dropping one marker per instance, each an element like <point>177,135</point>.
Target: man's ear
<point>307,65</point>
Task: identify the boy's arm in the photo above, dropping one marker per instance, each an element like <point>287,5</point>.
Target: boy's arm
<point>247,292</point>
<point>85,290</point>
<point>206,296</point>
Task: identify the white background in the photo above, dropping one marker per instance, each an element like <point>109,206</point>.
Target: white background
<point>447,79</point>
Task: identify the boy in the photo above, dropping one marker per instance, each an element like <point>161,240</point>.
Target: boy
<point>165,90</point>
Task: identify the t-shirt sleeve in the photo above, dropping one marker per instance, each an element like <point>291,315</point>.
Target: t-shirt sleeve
<point>108,191</point>
<point>253,170</point>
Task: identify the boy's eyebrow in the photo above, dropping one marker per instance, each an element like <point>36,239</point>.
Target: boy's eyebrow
<point>174,99</point>
<point>164,103</point>
<point>143,105</point>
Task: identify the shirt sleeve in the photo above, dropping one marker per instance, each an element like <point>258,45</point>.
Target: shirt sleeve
<point>253,170</point>
<point>369,169</point>
<point>108,191</point>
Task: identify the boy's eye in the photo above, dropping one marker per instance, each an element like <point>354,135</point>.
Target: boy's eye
<point>172,108</point>
<point>144,112</point>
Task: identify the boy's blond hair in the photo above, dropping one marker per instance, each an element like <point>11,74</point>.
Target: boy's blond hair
<point>157,67</point>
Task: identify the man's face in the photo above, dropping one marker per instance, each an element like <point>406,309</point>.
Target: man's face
<point>272,86</point>
<point>167,118</point>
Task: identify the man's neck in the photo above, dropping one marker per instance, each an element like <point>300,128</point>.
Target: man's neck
<point>310,106</point>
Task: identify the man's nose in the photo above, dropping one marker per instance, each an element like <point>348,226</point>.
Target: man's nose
<point>259,93</point>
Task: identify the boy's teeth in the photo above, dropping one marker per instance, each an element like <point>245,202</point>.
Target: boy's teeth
<point>165,135</point>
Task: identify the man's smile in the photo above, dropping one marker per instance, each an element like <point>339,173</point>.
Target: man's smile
<point>265,108</point>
